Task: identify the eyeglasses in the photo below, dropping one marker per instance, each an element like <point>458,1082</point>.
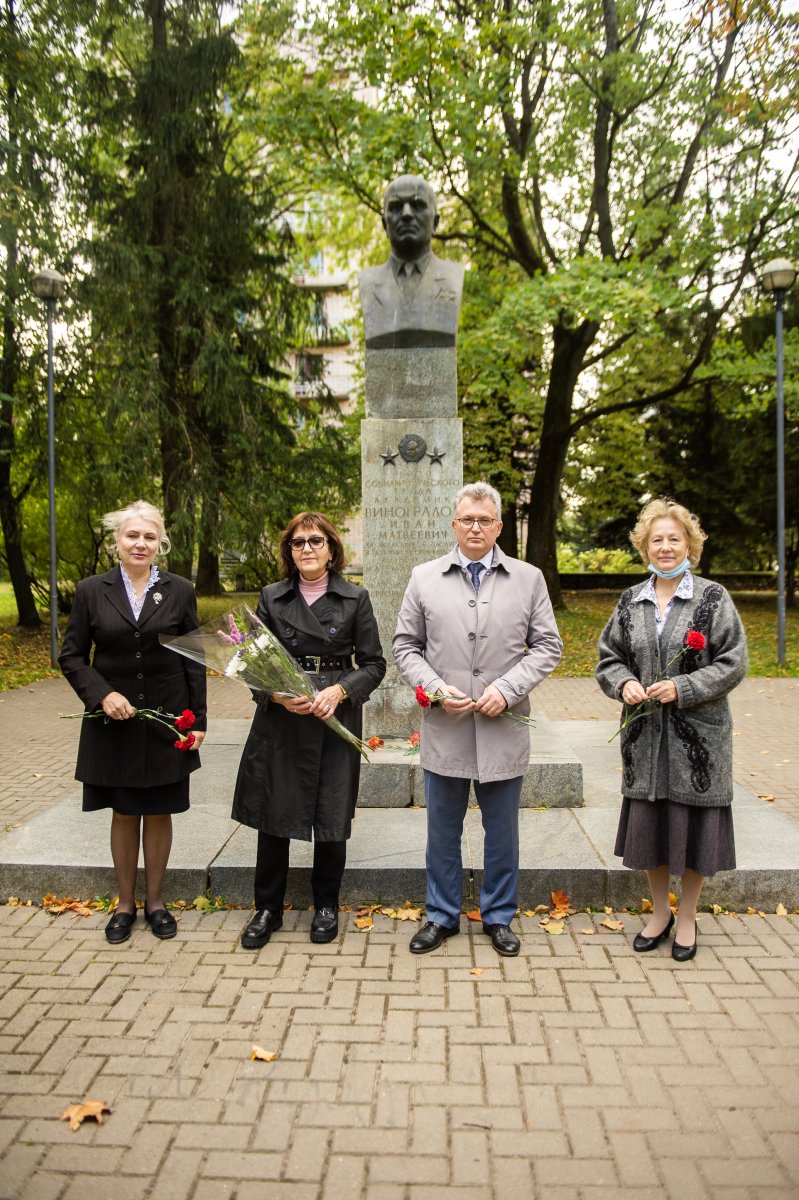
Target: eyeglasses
<point>315,541</point>
<point>483,522</point>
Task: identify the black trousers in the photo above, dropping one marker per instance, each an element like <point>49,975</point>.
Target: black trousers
<point>272,872</point>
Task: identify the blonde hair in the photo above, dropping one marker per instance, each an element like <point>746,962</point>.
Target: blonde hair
<point>655,510</point>
<point>139,510</point>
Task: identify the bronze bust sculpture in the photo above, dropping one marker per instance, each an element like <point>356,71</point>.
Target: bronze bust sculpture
<point>412,300</point>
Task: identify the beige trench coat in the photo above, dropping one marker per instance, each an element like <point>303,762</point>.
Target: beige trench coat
<point>505,635</point>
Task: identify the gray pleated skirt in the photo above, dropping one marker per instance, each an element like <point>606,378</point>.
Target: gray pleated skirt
<point>681,836</point>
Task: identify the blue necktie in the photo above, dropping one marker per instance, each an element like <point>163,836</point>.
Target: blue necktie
<point>476,569</point>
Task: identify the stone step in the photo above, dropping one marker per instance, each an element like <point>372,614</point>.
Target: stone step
<point>393,778</point>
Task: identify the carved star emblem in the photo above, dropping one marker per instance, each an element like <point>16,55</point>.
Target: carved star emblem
<point>388,458</point>
<point>436,455</point>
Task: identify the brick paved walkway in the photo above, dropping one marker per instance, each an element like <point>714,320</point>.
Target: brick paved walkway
<point>579,1071</point>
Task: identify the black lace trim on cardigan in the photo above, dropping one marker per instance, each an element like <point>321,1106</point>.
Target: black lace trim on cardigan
<point>696,750</point>
<point>689,662</point>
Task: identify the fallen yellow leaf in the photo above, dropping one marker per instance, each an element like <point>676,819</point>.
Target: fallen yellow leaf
<point>781,910</point>
<point>363,922</point>
<point>608,910</point>
<point>477,971</point>
<point>76,1114</point>
<point>559,899</point>
<point>672,899</point>
<point>646,905</point>
<point>615,926</point>
<point>263,1055</point>
<point>553,927</point>
<point>588,932</point>
<point>474,915</point>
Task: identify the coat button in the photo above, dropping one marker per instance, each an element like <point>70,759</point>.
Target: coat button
<point>294,642</point>
<point>475,672</point>
<point>323,678</point>
<point>140,676</point>
<point>472,603</point>
<point>331,631</point>
<point>472,637</point>
<point>141,695</point>
<point>288,631</point>
<point>137,634</point>
<point>138,653</point>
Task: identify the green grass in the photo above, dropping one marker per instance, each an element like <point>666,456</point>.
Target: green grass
<point>25,654</point>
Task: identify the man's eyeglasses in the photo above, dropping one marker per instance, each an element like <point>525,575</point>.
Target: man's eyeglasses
<point>315,541</point>
<point>483,522</point>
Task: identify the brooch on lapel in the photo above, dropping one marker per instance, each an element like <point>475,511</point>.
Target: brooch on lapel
<point>157,597</point>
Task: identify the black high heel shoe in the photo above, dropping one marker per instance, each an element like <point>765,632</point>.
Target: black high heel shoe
<point>642,944</point>
<point>683,953</point>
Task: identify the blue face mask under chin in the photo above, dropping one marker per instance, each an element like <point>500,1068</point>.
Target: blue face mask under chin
<point>673,573</point>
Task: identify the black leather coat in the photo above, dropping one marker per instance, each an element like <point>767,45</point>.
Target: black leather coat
<point>297,776</point>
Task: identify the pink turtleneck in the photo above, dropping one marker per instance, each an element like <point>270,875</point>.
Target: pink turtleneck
<point>312,589</point>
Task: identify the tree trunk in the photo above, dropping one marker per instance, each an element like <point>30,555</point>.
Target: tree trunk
<point>10,517</point>
<point>569,350</point>
<point>508,540</point>
<point>208,581</point>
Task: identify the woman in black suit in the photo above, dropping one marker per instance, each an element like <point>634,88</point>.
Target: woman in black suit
<point>132,765</point>
<point>298,779</point>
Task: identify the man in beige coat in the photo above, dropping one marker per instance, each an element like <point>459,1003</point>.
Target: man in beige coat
<point>476,628</point>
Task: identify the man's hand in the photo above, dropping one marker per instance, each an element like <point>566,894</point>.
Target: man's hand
<point>492,703</point>
<point>456,701</point>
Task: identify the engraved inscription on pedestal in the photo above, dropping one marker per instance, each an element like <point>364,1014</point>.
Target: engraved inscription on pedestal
<point>407,519</point>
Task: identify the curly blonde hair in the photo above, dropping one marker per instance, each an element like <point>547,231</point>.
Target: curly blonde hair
<point>139,510</point>
<point>655,510</point>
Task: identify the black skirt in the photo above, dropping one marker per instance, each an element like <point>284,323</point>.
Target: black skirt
<point>681,836</point>
<point>138,802</point>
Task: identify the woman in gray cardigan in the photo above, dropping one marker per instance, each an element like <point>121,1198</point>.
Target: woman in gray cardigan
<point>672,651</point>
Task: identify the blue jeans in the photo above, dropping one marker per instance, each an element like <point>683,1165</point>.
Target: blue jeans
<point>447,799</point>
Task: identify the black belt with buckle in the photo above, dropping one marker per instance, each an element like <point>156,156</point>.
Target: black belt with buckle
<point>323,662</point>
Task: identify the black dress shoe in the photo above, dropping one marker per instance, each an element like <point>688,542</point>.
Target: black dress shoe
<point>683,953</point>
<point>643,944</point>
<point>258,932</point>
<point>119,927</point>
<point>430,937</point>
<point>503,939</point>
<point>324,926</point>
<point>162,923</point>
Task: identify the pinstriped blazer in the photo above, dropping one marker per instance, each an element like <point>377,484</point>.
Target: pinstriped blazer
<point>105,649</point>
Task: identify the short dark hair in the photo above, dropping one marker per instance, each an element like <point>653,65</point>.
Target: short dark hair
<point>309,520</point>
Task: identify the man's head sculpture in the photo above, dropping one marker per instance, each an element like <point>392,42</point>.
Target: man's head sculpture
<point>410,216</point>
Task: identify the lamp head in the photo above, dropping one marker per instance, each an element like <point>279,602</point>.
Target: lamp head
<point>778,275</point>
<point>49,285</point>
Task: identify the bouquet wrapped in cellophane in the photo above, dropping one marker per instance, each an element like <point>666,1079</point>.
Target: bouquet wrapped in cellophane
<point>239,645</point>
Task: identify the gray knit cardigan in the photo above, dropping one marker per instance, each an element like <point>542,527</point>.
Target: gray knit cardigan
<point>698,741</point>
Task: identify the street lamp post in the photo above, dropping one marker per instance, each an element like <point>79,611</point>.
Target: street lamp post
<point>777,277</point>
<point>49,286</point>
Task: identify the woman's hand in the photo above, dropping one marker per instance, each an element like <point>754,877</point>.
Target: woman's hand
<point>664,691</point>
<point>117,707</point>
<point>199,735</point>
<point>299,705</point>
<point>326,702</point>
<point>632,692</point>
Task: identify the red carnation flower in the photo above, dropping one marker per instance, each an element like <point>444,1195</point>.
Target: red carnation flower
<point>414,739</point>
<point>185,720</point>
<point>185,743</point>
<point>422,697</point>
<point>695,640</point>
